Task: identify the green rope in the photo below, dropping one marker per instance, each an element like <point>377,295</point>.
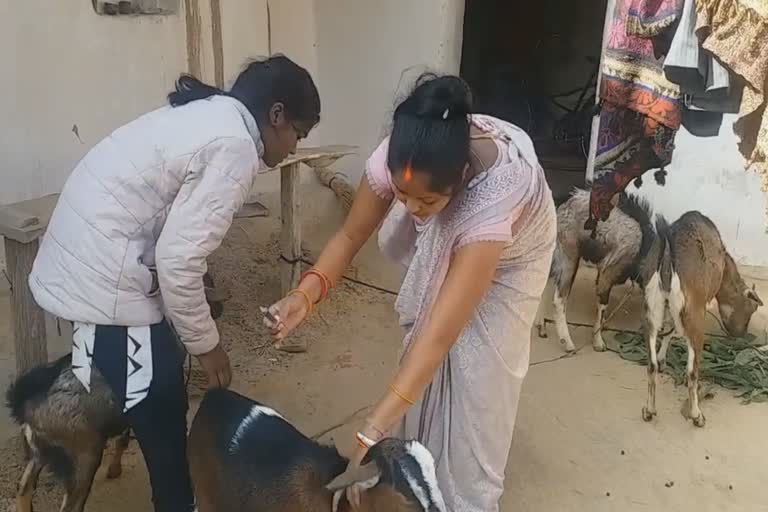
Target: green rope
<point>732,363</point>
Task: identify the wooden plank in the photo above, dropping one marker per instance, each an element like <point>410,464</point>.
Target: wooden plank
<point>26,221</point>
<point>290,236</point>
<point>251,210</point>
<point>29,318</point>
<point>17,219</point>
<point>322,156</point>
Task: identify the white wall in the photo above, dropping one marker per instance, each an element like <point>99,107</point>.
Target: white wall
<point>66,66</point>
<point>707,174</point>
<point>62,66</point>
<point>244,34</point>
<point>363,47</point>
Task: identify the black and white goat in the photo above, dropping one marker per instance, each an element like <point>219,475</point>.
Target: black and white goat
<point>244,457</point>
<point>619,246</point>
<point>687,268</point>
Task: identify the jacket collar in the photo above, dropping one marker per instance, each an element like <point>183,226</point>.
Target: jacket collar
<point>248,119</point>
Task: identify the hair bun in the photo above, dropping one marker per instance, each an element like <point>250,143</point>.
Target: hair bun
<point>438,97</point>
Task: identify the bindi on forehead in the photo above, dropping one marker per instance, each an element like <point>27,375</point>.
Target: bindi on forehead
<point>408,174</point>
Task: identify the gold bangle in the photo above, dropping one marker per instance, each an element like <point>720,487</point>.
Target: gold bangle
<point>303,293</point>
<point>400,395</point>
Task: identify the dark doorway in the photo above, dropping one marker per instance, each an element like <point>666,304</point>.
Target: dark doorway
<point>535,64</point>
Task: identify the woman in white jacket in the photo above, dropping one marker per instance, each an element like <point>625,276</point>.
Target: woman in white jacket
<point>124,255</point>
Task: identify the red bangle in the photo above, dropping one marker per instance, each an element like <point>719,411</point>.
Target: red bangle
<point>325,283</point>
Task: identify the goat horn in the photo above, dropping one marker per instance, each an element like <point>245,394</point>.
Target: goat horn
<point>354,475</point>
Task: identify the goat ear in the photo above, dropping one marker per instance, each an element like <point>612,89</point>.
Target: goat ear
<point>752,295</point>
<point>367,474</point>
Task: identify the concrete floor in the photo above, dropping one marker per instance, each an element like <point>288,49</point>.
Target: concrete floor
<point>580,443</point>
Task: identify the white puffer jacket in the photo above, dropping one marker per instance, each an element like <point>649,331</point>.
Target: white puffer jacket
<point>137,218</point>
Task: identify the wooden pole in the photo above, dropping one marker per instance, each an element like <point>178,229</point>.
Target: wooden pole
<point>29,318</point>
<point>290,236</point>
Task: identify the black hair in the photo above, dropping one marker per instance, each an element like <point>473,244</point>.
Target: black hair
<point>262,83</point>
<point>430,133</point>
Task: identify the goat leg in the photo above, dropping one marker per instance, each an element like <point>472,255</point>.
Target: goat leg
<point>561,322</point>
<point>27,485</point>
<point>649,411</point>
<point>654,308</point>
<point>694,359</point>
<point>665,341</point>
<point>564,274</point>
<point>115,468</point>
<point>79,486</point>
<point>692,321</point>
<point>607,276</point>
<point>597,330</point>
<point>28,481</point>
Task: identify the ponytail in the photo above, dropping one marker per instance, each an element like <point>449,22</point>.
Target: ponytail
<point>189,88</point>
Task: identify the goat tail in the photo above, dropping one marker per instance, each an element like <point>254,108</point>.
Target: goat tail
<point>663,232</point>
<point>637,208</point>
<point>665,258</point>
<point>33,384</point>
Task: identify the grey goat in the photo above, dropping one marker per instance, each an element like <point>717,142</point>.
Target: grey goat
<point>619,246</point>
<point>687,268</point>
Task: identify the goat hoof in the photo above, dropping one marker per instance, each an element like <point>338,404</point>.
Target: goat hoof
<point>542,332</point>
<point>598,347</point>
<point>569,346</point>
<point>114,472</point>
<point>662,365</point>
<point>700,421</point>
<point>648,414</point>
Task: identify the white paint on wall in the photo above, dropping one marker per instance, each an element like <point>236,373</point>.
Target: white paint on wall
<point>707,174</point>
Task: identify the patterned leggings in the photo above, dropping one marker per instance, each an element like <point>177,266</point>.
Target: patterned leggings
<point>159,421</point>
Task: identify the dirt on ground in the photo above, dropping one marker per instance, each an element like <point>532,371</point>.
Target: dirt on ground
<point>580,443</point>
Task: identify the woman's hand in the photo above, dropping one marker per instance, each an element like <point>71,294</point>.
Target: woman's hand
<point>286,314</point>
<point>354,491</point>
<point>216,366</point>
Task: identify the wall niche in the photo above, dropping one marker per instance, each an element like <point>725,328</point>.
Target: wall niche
<point>135,7</point>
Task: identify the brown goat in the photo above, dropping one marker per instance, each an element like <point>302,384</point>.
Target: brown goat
<point>688,267</point>
<point>619,245</point>
<point>244,457</point>
<point>67,428</point>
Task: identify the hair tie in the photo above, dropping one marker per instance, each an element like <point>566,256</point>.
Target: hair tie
<point>445,114</point>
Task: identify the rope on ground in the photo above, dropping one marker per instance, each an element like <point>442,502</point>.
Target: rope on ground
<point>342,423</point>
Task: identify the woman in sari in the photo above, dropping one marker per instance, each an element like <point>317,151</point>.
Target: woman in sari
<point>467,210</point>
